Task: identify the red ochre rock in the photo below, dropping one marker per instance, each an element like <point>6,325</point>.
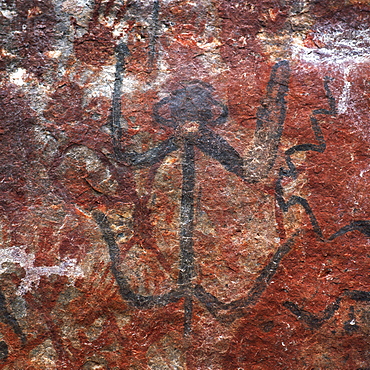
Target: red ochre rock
<point>184,185</point>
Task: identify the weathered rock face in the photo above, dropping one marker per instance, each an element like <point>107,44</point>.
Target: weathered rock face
<point>184,184</point>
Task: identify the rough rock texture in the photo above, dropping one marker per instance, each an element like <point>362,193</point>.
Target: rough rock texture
<point>184,184</point>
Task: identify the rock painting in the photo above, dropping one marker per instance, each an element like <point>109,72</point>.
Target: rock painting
<point>184,184</point>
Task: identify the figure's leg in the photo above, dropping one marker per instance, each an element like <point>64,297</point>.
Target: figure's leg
<point>186,272</point>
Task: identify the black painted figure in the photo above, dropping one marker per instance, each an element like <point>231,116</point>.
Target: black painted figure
<point>192,112</point>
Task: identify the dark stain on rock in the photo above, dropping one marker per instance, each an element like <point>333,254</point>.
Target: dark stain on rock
<point>351,326</point>
<point>35,25</point>
<point>4,352</point>
<point>96,46</point>
<point>15,147</point>
<point>267,326</point>
<point>7,318</point>
<point>66,104</point>
<point>359,296</point>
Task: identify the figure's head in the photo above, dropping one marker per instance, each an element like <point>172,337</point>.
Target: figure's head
<point>192,103</point>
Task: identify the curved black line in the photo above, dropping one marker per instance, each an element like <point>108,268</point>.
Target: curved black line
<point>312,320</point>
<point>315,321</point>
<point>321,146</point>
<point>361,226</point>
<point>151,156</point>
<point>223,115</point>
<point>293,200</point>
<point>214,305</point>
<point>277,88</point>
<point>160,119</point>
<point>185,290</point>
<point>269,126</point>
<point>271,113</point>
<point>270,121</point>
<point>137,300</point>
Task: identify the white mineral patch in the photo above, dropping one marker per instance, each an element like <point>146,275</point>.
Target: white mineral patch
<point>82,3</point>
<point>78,5</point>
<point>345,50</point>
<point>54,54</point>
<point>342,46</point>
<point>8,13</point>
<point>102,83</point>
<point>6,53</point>
<point>17,77</point>
<point>363,172</point>
<point>18,255</point>
<point>213,62</point>
<point>344,99</point>
<point>37,94</point>
<point>119,30</point>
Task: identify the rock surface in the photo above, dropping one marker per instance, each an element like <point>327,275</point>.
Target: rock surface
<point>184,184</point>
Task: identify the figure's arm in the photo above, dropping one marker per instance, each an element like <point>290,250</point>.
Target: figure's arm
<point>270,122</point>
<point>151,156</point>
<point>218,148</point>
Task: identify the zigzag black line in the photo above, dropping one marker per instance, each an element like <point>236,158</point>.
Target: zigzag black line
<point>291,171</point>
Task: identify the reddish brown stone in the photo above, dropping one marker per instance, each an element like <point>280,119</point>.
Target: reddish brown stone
<point>184,185</point>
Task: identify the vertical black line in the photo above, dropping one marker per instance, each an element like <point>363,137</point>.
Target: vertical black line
<point>186,229</point>
<point>154,32</point>
<point>187,215</point>
<point>188,314</point>
<point>116,128</point>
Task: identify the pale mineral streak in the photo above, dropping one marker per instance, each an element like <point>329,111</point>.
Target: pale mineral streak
<point>18,255</point>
